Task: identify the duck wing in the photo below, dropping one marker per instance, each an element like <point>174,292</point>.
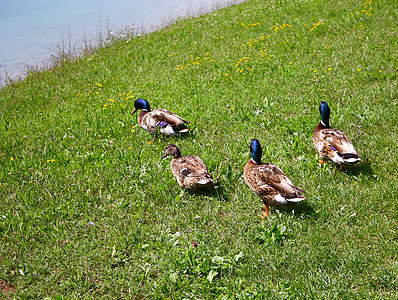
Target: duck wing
<point>338,139</point>
<point>192,166</point>
<point>335,145</point>
<point>274,177</point>
<point>163,115</point>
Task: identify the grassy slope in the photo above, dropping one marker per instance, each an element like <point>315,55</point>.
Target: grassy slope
<point>88,210</point>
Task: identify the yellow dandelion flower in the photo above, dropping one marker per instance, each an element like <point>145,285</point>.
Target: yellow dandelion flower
<point>226,74</point>
<point>12,158</point>
<point>130,148</point>
<point>315,71</point>
<point>150,143</point>
<point>132,130</point>
<point>330,69</point>
<point>380,71</point>
<point>359,70</point>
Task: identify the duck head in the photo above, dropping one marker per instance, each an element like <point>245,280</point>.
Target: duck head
<point>256,151</point>
<point>171,150</point>
<point>141,104</point>
<point>324,110</point>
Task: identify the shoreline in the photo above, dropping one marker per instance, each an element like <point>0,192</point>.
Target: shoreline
<point>74,45</point>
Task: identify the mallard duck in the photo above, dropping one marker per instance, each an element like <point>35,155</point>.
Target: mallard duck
<point>190,171</point>
<point>159,120</point>
<point>331,143</point>
<point>269,182</point>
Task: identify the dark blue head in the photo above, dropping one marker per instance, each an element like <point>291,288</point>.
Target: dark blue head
<point>141,104</point>
<point>256,151</point>
<point>325,113</point>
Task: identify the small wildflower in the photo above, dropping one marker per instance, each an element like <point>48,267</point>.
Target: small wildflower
<point>315,71</point>
<point>226,74</point>
<point>12,158</point>
<point>132,130</point>
<point>359,70</point>
<point>330,69</point>
<point>150,143</point>
<point>130,148</point>
<point>321,161</point>
<point>194,244</point>
<point>380,71</point>
<point>91,223</point>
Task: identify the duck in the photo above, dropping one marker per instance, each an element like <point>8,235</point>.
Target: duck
<point>159,120</point>
<point>333,144</point>
<point>269,182</point>
<point>190,171</point>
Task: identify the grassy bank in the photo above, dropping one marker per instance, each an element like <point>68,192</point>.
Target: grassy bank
<point>88,210</point>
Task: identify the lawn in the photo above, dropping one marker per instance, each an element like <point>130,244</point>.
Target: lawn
<point>88,209</point>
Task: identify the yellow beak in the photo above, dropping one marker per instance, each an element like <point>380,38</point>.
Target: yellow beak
<point>134,110</point>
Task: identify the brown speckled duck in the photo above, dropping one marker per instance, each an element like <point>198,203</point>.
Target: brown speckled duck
<point>189,171</point>
<point>268,181</point>
<point>159,120</point>
<point>333,144</point>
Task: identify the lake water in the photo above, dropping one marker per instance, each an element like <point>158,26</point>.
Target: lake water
<point>33,30</point>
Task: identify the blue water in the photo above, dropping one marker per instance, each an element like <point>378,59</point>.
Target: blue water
<point>33,30</point>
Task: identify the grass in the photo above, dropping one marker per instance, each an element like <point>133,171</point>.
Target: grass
<point>87,210</point>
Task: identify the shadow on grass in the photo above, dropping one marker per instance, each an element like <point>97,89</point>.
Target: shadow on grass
<point>173,139</point>
<point>217,192</point>
<point>363,168</point>
<point>303,209</point>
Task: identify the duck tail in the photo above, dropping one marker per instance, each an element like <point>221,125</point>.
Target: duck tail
<point>349,158</point>
<point>344,158</point>
<point>180,128</point>
<point>296,197</point>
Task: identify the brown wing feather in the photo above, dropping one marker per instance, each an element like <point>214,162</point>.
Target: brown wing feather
<point>274,176</point>
<point>168,116</point>
<point>336,138</point>
<point>193,164</point>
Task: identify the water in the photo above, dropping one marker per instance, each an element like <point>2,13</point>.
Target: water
<point>33,30</point>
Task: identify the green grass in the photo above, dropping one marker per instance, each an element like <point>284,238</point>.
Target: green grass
<point>88,210</point>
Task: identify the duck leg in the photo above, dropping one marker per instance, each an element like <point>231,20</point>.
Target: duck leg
<point>154,136</point>
<point>266,212</point>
